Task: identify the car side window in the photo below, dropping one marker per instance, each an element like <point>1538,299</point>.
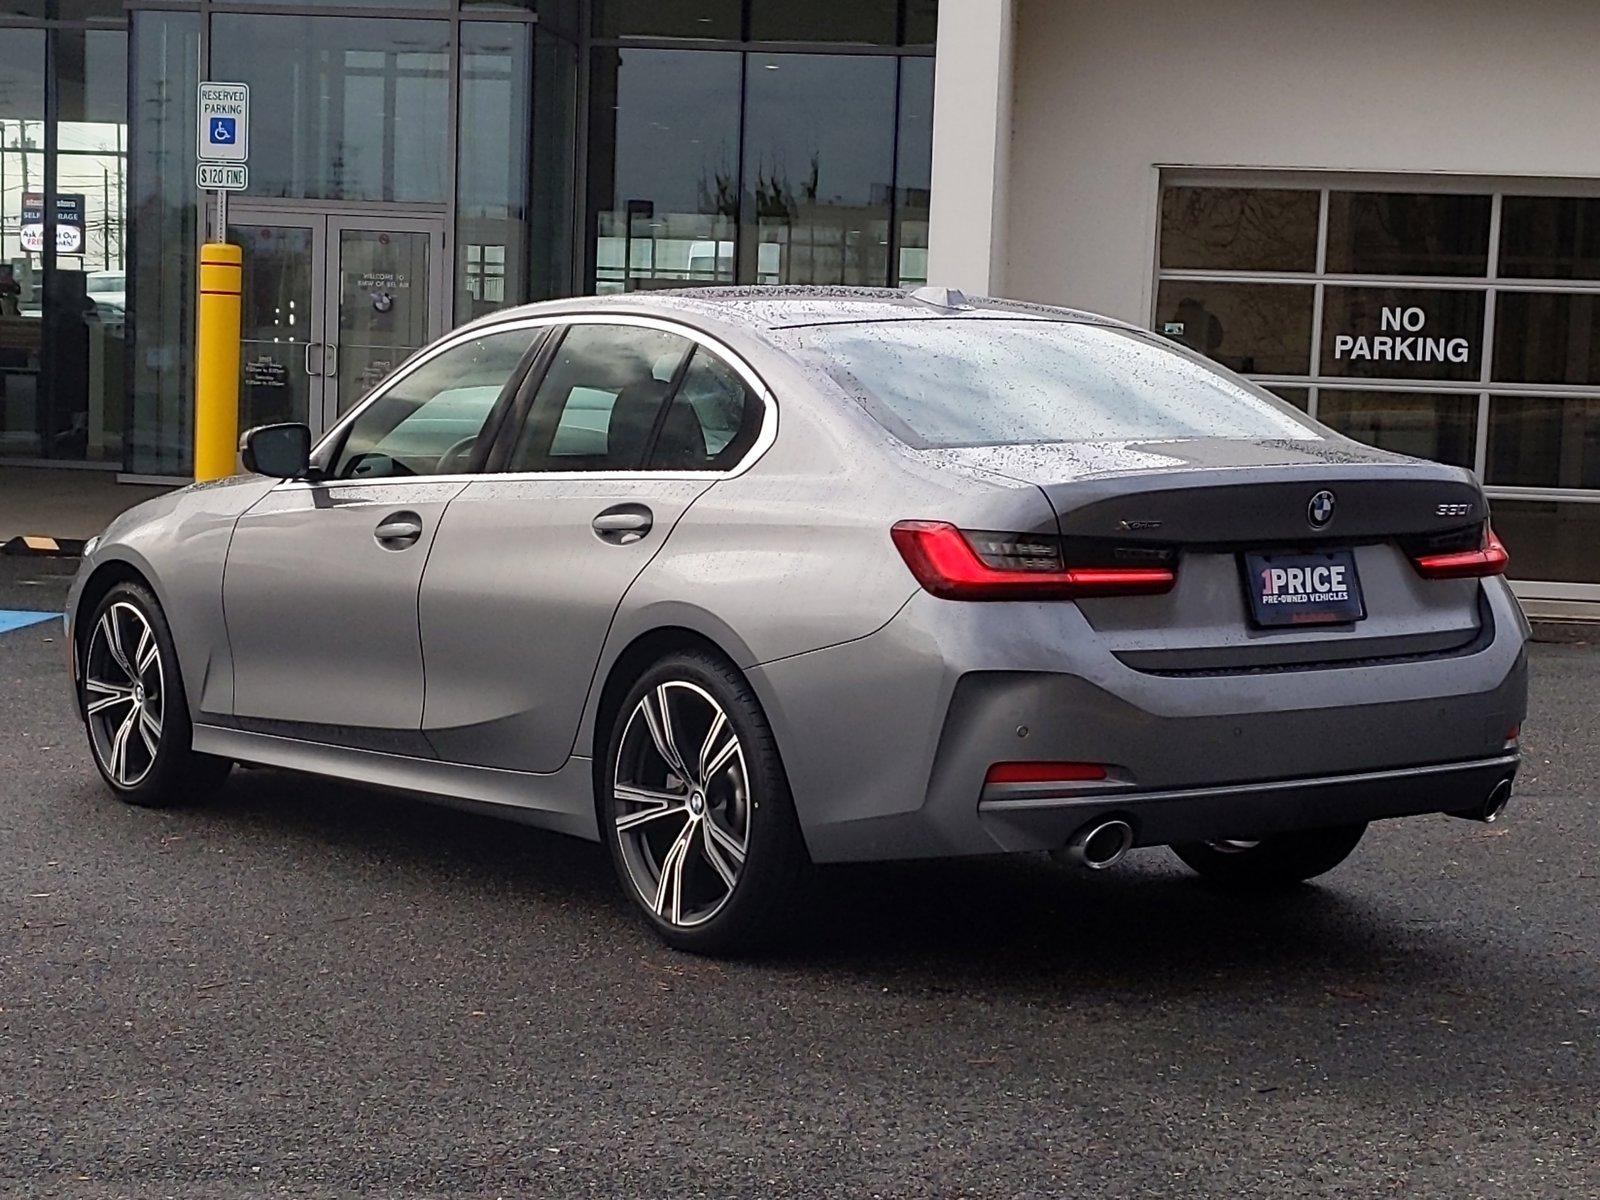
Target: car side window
<point>713,419</point>
<point>597,405</point>
<point>428,422</point>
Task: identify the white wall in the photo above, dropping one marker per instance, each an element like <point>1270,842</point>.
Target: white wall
<point>1104,90</point>
<point>972,93</point>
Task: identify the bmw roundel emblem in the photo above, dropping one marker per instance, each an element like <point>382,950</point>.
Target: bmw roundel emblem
<point>1320,511</point>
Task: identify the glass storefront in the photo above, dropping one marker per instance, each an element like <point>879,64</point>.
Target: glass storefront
<point>415,164</point>
<point>1456,322</point>
<point>64,246</point>
<point>713,159</point>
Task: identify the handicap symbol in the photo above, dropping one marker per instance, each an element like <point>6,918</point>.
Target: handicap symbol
<point>222,129</point>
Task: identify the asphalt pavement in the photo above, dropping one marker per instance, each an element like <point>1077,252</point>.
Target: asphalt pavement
<point>308,989</point>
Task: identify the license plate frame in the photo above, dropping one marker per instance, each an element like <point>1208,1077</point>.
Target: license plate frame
<point>1293,588</point>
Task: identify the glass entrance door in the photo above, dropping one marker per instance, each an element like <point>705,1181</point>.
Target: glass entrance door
<point>382,276</point>
<point>281,320</point>
<point>332,303</point>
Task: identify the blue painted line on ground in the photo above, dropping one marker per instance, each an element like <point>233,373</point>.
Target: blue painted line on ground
<point>19,618</point>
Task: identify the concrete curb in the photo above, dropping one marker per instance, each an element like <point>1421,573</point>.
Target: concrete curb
<point>44,547</point>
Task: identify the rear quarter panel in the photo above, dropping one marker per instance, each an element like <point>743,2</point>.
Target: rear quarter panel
<point>794,554</point>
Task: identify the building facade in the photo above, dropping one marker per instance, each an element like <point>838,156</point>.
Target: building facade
<point>414,164</point>
<point>1389,213</point>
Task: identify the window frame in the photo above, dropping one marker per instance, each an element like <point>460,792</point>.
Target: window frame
<point>1494,282</point>
<point>512,409</point>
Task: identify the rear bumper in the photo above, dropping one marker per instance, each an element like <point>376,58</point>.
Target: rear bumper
<point>1023,821</point>
<point>887,739</point>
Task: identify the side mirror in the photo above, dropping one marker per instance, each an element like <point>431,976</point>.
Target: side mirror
<point>281,451</point>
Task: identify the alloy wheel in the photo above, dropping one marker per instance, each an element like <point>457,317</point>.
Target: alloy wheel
<point>124,697</point>
<point>683,803</point>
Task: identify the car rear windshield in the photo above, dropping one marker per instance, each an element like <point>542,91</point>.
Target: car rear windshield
<point>988,382</point>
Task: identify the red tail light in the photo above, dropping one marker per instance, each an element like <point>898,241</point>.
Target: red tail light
<point>1012,566</point>
<point>1044,772</point>
<point>1489,559</point>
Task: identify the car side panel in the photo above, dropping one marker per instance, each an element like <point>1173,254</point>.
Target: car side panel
<point>515,606</point>
<point>179,542</point>
<point>795,554</point>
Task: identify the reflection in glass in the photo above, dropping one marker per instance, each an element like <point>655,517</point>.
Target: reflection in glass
<point>555,99</point>
<point>1239,229</point>
<point>667,18</point>
<point>88,10</point>
<point>21,264</point>
<point>1399,233</point>
<point>1546,338</point>
<point>1554,540</point>
<point>913,172</point>
<point>364,104</point>
<point>1020,382</point>
<point>663,167</point>
<point>1402,333</point>
<point>492,185</point>
<point>1438,425</point>
<point>428,423</point>
<point>818,168</point>
<point>84,313</point>
<point>1549,237</point>
<point>162,213</point>
<point>1543,441</point>
<point>383,307</point>
<point>1298,396</point>
<point>1255,328</point>
<point>276,326</point>
<point>922,21</point>
<point>430,4</point>
<point>869,21</point>
<point>596,407</point>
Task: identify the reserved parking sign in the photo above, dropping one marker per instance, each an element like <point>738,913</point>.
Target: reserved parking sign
<point>223,134</point>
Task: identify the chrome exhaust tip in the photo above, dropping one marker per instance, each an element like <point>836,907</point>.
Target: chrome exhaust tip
<point>1493,806</point>
<point>1099,844</point>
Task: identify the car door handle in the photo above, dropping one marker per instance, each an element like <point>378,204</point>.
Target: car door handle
<point>624,524</point>
<point>398,531</point>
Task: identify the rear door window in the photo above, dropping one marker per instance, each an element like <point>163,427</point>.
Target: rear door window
<point>598,403</point>
<point>628,398</point>
<point>713,419</point>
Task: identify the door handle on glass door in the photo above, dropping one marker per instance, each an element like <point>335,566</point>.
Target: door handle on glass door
<point>309,347</point>
<point>398,530</point>
<point>623,524</point>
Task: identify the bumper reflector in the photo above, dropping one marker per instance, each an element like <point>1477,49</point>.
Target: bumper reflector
<point>1044,772</point>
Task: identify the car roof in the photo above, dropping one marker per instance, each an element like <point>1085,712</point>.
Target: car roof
<point>795,306</point>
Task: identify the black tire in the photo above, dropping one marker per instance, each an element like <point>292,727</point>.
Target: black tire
<point>1271,863</point>
<point>747,795</point>
<point>156,711</point>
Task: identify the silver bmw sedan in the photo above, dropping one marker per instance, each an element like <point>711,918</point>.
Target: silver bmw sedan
<point>739,581</point>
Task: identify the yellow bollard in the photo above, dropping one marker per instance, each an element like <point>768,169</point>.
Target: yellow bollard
<point>216,372</point>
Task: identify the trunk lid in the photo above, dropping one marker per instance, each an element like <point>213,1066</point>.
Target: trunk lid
<point>1210,501</point>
